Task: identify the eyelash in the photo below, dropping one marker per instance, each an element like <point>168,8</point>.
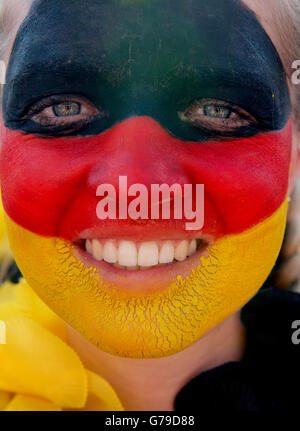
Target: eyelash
<point>238,117</point>
<point>57,123</point>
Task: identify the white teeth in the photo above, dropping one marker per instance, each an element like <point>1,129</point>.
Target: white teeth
<point>88,246</point>
<point>148,254</point>
<point>181,250</point>
<point>166,254</point>
<point>127,253</point>
<point>134,256</point>
<point>97,249</point>
<point>192,247</point>
<point>110,252</point>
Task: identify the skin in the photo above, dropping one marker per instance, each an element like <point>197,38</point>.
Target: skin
<point>238,240</point>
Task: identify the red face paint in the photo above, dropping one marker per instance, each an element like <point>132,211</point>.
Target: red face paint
<point>49,184</point>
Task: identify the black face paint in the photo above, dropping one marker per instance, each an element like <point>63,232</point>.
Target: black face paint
<point>151,58</point>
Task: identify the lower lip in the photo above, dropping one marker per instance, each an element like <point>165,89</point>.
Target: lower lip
<point>151,280</point>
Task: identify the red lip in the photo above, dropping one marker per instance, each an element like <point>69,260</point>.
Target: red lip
<point>138,233</point>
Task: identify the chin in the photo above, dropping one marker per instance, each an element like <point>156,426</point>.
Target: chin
<point>142,305</point>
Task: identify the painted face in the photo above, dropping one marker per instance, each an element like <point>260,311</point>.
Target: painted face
<point>167,92</point>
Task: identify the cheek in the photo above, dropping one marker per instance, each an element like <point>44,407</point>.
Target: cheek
<point>49,185</point>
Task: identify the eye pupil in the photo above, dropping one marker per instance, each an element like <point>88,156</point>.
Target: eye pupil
<point>66,109</point>
<point>215,111</point>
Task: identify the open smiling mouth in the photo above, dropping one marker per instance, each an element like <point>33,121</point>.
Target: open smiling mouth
<point>127,255</point>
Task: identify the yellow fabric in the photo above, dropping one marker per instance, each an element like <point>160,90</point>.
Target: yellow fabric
<point>5,398</point>
<point>19,299</point>
<point>39,371</point>
<point>21,403</point>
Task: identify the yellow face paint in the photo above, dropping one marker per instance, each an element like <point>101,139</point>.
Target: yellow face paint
<point>157,324</point>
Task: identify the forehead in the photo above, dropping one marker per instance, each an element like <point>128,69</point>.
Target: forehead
<point>155,34</point>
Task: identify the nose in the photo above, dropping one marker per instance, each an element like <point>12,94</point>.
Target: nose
<point>141,149</point>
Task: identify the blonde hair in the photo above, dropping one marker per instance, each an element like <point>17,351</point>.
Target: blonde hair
<point>285,17</point>
<point>12,12</point>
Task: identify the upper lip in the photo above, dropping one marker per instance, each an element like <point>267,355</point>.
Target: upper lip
<point>143,235</point>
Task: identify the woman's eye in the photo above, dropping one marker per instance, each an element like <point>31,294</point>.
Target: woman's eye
<point>64,113</point>
<point>216,115</point>
<point>215,111</point>
<point>67,109</point>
